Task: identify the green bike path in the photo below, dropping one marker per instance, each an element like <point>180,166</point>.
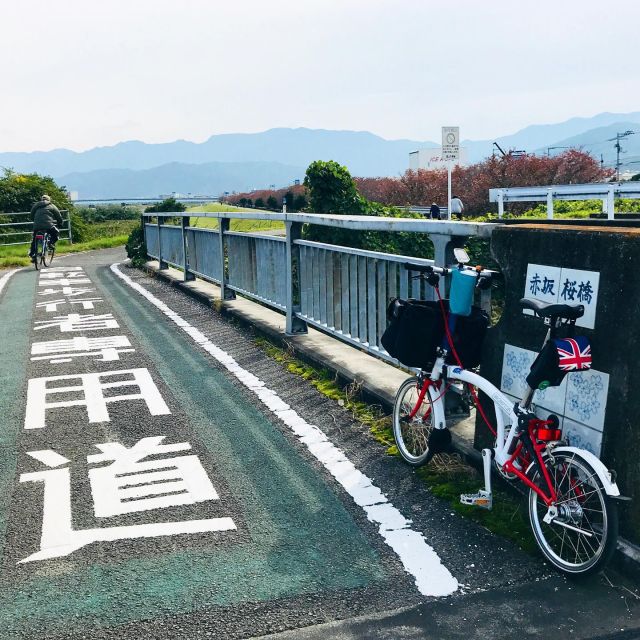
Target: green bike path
<point>300,558</point>
<point>294,536</point>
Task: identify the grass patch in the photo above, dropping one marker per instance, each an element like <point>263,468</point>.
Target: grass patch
<point>15,256</point>
<point>215,206</point>
<point>446,476</point>
<point>236,223</point>
<point>108,229</point>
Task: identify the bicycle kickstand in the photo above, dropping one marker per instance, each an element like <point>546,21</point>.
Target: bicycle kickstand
<point>483,497</point>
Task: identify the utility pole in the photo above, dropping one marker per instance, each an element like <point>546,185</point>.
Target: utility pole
<point>618,149</point>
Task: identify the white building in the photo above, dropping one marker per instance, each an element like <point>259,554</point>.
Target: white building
<point>432,159</point>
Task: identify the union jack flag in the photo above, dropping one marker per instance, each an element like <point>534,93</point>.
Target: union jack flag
<point>574,354</point>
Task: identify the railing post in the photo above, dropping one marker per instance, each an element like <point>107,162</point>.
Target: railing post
<point>550,203</point>
<point>611,204</point>
<point>69,225</point>
<point>500,204</point>
<point>225,292</point>
<point>185,254</point>
<point>443,246</point>
<point>294,325</point>
<point>143,226</point>
<point>161,263</point>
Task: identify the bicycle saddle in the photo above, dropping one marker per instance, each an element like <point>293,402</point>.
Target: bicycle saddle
<point>550,310</point>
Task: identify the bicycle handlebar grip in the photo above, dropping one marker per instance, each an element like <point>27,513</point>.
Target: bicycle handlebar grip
<point>418,267</point>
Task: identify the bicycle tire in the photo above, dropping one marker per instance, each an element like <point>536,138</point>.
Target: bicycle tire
<point>412,437</point>
<point>582,504</point>
<point>48,252</point>
<point>37,254</point>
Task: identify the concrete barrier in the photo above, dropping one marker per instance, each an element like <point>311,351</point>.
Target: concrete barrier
<point>600,268</point>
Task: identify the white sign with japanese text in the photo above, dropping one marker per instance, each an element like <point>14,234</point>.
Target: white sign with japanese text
<point>564,286</point>
<point>450,143</point>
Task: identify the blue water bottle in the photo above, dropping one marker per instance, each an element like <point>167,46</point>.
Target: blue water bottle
<point>463,284</point>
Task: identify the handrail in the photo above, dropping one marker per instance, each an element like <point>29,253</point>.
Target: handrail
<point>357,223</point>
<point>340,290</point>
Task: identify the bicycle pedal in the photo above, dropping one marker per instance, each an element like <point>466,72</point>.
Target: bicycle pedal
<point>481,499</point>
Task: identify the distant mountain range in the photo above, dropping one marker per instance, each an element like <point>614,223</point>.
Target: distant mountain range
<point>238,162</point>
<point>210,178</point>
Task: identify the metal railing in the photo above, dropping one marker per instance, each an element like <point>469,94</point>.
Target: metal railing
<point>605,191</point>
<point>66,228</point>
<point>339,290</point>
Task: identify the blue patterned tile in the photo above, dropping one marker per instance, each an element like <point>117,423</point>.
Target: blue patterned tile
<point>582,437</point>
<point>586,400</point>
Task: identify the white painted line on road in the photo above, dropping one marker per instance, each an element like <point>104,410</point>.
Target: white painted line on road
<point>419,559</point>
<point>5,278</point>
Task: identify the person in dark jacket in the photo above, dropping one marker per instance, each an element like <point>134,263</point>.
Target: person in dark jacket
<point>45,216</point>
<point>434,212</point>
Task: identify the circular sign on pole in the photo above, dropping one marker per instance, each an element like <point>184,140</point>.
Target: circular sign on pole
<point>450,143</point>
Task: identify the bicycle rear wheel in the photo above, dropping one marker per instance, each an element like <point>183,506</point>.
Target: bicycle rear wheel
<point>581,530</point>
<point>37,254</point>
<point>412,434</point>
<point>48,252</point>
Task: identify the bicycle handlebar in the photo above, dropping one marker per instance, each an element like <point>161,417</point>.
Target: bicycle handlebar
<point>443,271</point>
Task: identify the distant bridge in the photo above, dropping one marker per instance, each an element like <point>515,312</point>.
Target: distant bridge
<point>186,200</point>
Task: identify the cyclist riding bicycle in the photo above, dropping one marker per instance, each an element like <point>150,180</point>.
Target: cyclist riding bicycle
<point>45,215</point>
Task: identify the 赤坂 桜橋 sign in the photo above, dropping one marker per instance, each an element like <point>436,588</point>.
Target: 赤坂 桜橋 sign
<point>564,286</point>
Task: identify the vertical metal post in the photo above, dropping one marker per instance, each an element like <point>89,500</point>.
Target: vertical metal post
<point>225,292</point>
<point>185,251</point>
<point>449,190</point>
<point>69,224</point>
<point>162,264</point>
<point>294,325</point>
<point>549,203</point>
<point>610,204</point>
<point>500,204</point>
<point>443,247</point>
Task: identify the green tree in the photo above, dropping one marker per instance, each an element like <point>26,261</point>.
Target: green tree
<point>136,247</point>
<point>332,189</point>
<point>272,203</point>
<point>259,203</point>
<point>299,203</point>
<point>168,205</point>
<point>19,192</point>
<point>636,178</point>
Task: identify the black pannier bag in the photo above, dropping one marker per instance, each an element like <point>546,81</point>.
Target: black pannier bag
<point>416,330</point>
<point>557,358</point>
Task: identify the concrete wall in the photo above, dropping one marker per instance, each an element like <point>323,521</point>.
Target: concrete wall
<point>601,409</point>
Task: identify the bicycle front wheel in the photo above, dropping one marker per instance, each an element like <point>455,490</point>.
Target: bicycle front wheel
<point>580,532</point>
<point>412,433</point>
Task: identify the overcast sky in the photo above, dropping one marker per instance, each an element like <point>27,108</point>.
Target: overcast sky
<point>85,73</point>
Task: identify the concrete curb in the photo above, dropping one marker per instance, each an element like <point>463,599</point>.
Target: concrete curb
<point>627,556</point>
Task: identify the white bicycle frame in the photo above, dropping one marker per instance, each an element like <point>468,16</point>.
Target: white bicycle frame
<point>505,417</point>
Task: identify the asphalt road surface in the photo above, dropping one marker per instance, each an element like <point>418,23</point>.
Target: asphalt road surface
<point>162,477</point>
